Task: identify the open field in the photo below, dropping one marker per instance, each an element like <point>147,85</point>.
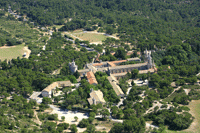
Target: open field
<point>91,37</point>
<point>103,125</point>
<point>57,26</point>
<point>194,106</point>
<point>11,52</point>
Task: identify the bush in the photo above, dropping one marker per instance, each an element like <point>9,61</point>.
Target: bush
<point>182,99</point>
<point>63,118</point>
<point>91,119</point>
<point>83,123</point>
<point>63,125</point>
<point>185,108</point>
<point>53,117</point>
<point>73,128</point>
<point>164,106</point>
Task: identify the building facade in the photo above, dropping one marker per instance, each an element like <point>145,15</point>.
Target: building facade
<point>73,67</point>
<point>96,97</point>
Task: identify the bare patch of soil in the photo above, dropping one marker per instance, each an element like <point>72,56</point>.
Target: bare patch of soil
<point>194,106</point>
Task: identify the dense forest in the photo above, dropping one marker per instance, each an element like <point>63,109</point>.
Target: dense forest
<point>145,24</point>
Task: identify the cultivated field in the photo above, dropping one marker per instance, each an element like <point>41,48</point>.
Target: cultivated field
<point>11,52</point>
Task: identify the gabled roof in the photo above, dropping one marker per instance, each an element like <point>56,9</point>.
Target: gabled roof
<point>51,86</point>
<point>98,64</point>
<point>91,78</point>
<point>114,83</point>
<point>129,66</point>
<point>64,83</point>
<point>96,95</point>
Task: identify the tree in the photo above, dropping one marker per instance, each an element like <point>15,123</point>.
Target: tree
<point>134,73</point>
<point>105,113</point>
<point>110,30</point>
<point>120,53</point>
<point>83,49</point>
<point>76,118</point>
<point>134,54</point>
<point>73,128</point>
<point>117,128</point>
<point>91,119</point>
<point>77,74</point>
<point>156,108</point>
<point>83,123</point>
<point>42,107</point>
<point>144,77</point>
<point>46,100</point>
<point>92,114</point>
<point>90,129</point>
<point>57,99</point>
<point>128,112</point>
<point>63,118</point>
<point>62,126</point>
<point>133,125</point>
<point>69,107</point>
<point>193,79</point>
<point>177,83</point>
<point>132,83</point>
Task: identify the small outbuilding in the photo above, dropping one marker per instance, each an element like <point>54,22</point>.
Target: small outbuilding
<point>96,97</point>
<point>49,89</point>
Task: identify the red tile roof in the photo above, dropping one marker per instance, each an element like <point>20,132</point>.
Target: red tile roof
<point>91,78</point>
<point>98,64</point>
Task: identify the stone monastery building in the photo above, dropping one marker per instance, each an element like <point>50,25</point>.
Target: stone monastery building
<point>115,70</point>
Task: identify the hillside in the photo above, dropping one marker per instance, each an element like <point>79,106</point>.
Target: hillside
<point>58,32</point>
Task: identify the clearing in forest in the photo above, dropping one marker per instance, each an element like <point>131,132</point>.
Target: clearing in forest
<point>11,52</point>
<point>194,106</point>
<point>91,37</point>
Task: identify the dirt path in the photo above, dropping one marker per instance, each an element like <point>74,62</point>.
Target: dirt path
<point>173,91</point>
<point>7,47</point>
<point>28,52</point>
<point>187,91</point>
<point>37,120</point>
<point>157,103</point>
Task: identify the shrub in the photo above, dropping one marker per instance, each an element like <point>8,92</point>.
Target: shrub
<point>83,123</point>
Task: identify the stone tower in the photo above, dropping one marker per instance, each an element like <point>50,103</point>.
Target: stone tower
<point>148,59</point>
<point>73,67</point>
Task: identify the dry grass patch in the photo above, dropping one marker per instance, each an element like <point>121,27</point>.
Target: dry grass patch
<point>103,125</point>
<point>11,52</point>
<point>91,37</point>
<point>194,106</point>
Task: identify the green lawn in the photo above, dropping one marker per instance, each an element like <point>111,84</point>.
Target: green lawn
<point>12,52</point>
